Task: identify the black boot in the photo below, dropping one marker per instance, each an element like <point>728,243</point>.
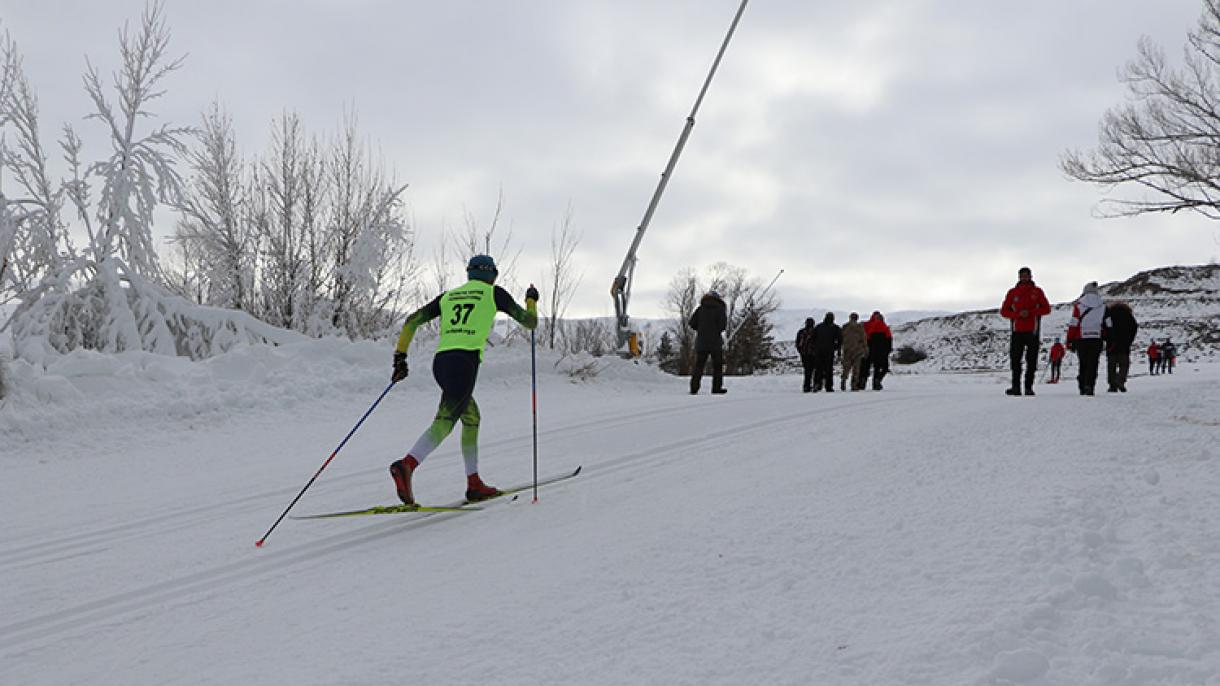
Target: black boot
<point>1013,391</point>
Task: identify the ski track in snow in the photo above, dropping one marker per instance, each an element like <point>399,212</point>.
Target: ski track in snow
<point>935,533</point>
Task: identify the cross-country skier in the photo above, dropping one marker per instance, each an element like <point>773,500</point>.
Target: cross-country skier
<point>467,314</point>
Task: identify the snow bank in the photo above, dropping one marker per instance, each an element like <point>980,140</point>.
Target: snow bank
<point>89,393</point>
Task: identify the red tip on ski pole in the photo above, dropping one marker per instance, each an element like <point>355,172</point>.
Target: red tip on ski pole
<point>259,542</point>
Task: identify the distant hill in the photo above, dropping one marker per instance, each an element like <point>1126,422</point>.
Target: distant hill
<point>1181,303</point>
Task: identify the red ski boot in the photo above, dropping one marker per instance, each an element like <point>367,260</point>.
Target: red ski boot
<point>401,472</point>
<point>476,490</point>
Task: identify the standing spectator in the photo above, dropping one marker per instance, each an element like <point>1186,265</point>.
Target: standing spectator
<point>880,344</point>
<point>855,347</point>
<point>1154,356</point>
<point>709,320</point>
<point>1025,304</point>
<point>1118,332</point>
<point>1084,335</point>
<point>1057,353</point>
<point>827,339</point>
<point>804,348</point>
<point>1169,353</point>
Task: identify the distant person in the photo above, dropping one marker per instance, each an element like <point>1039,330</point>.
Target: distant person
<point>1154,357</point>
<point>1169,354</point>
<point>827,339</point>
<point>466,314</point>
<point>804,348</point>
<point>880,345</point>
<point>1025,305</point>
<point>855,347</point>
<point>1118,333</point>
<point>1057,354</point>
<point>709,320</point>
<point>1084,335</point>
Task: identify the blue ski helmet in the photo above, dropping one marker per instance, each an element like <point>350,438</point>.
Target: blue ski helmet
<point>483,268</point>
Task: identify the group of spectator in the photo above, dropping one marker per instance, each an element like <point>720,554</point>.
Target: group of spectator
<point>1094,326</point>
<point>1161,357</point>
<point>862,349</point>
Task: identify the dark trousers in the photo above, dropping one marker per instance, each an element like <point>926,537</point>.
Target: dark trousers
<point>1118,363</point>
<point>1152,366</point>
<point>456,372</point>
<point>1088,352</point>
<point>1055,366</point>
<point>879,360</point>
<point>696,374</point>
<point>1169,364</point>
<point>824,371</point>
<point>866,365</point>
<point>1023,345</point>
<point>807,363</point>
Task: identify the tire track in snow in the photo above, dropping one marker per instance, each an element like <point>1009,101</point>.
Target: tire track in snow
<point>81,616</point>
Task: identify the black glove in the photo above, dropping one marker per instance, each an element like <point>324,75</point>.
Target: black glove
<point>531,293</point>
<point>400,367</point>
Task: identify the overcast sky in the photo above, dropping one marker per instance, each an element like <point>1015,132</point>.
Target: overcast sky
<point>890,154</point>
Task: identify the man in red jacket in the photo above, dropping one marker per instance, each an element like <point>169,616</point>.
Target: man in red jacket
<point>1025,305</point>
<point>1057,353</point>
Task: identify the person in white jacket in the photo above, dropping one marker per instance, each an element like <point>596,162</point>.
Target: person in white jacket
<point>1084,335</point>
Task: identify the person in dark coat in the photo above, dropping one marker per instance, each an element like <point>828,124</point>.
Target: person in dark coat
<point>709,320</point>
<point>827,339</point>
<point>1169,354</point>
<point>804,348</point>
<point>880,345</point>
<point>1118,332</point>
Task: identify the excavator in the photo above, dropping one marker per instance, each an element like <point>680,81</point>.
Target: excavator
<point>629,342</point>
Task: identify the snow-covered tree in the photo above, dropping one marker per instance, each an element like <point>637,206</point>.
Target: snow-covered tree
<point>112,296</point>
<point>218,244</point>
<point>367,238</point>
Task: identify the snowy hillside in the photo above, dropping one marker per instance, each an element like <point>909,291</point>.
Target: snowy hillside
<point>1182,303</point>
<point>908,537</point>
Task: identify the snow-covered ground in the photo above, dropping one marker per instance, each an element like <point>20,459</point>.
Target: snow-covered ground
<point>937,532</point>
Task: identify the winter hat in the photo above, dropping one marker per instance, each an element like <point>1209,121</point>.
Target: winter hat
<point>713,294</point>
<point>853,316</point>
<point>808,321</point>
<point>483,268</point>
<point>830,317</point>
<point>1090,287</point>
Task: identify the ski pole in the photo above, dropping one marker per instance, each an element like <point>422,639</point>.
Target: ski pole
<point>534,405</point>
<point>259,543</point>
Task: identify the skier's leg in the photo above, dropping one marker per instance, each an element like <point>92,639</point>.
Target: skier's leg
<point>455,372</point>
<point>717,371</point>
<point>470,437</point>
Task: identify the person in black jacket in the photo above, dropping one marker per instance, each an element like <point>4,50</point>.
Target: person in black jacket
<point>804,348</point>
<point>709,320</point>
<point>827,339</point>
<point>1118,332</point>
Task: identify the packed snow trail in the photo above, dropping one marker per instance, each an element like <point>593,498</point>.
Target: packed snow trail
<point>937,532</point>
